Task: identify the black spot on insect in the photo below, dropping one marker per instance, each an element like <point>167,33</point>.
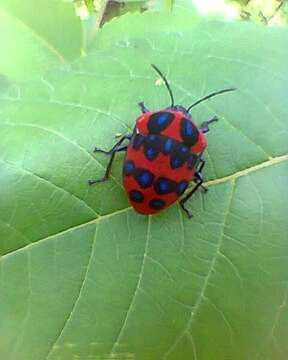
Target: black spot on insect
<point>150,153</point>
<point>136,196</point>
<point>152,139</point>
<point>183,150</point>
<point>176,162</point>
<point>159,121</point>
<point>157,204</point>
<point>188,132</point>
<point>152,146</point>
<point>128,167</point>
<point>138,140</point>
<point>179,155</point>
<point>168,145</point>
<point>165,186</point>
<point>143,177</point>
<point>181,187</point>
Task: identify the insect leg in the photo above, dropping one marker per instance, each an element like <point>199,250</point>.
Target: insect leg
<point>202,164</point>
<point>187,197</point>
<point>198,177</point>
<point>143,107</point>
<point>205,125</point>
<point>116,148</point>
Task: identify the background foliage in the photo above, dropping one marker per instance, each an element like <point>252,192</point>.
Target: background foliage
<point>82,275</point>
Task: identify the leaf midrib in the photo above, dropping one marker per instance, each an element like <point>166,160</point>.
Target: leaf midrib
<point>272,161</point>
<point>232,177</point>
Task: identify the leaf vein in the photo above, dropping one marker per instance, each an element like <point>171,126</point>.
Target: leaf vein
<point>74,306</point>
<point>205,282</point>
<point>29,172</point>
<point>60,135</point>
<point>137,288</point>
<point>224,179</point>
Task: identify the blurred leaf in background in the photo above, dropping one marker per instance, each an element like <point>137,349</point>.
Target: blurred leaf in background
<point>35,43</point>
<point>268,12</point>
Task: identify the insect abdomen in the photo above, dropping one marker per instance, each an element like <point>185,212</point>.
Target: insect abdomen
<point>156,171</point>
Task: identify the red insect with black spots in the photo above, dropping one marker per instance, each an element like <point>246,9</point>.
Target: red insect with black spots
<point>164,154</point>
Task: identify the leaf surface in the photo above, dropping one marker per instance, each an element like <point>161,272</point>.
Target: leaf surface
<point>83,275</point>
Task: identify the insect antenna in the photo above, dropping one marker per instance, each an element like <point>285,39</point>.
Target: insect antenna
<point>209,96</point>
<point>166,83</point>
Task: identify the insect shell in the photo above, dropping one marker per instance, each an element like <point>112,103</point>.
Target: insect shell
<point>161,159</point>
<point>164,154</point>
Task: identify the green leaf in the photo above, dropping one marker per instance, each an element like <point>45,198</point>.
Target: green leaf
<point>37,35</point>
<point>82,275</point>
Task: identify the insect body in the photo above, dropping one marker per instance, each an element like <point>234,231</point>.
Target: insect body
<point>164,154</point>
